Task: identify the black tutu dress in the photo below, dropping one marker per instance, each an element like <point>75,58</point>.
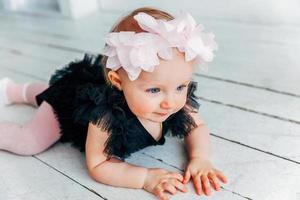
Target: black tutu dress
<point>79,94</point>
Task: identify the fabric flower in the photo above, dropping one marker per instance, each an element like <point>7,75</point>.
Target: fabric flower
<point>135,52</point>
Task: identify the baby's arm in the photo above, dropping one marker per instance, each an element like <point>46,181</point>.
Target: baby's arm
<point>199,167</point>
<point>118,173</point>
<point>114,171</point>
<point>198,142</point>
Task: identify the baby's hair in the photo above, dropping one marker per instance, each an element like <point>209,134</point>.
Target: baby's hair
<point>128,23</point>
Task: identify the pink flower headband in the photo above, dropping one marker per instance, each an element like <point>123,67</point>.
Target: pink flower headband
<point>140,51</point>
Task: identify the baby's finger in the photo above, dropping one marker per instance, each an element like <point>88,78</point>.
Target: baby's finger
<point>187,177</point>
<point>176,176</point>
<point>169,188</point>
<point>221,176</point>
<point>197,184</point>
<point>163,196</point>
<point>159,192</point>
<point>205,184</point>
<point>213,180</point>
<point>179,185</point>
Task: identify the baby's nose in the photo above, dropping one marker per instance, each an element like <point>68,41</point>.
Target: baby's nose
<point>168,103</point>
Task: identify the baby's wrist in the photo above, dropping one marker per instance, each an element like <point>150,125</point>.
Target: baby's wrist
<point>144,178</point>
<point>200,157</point>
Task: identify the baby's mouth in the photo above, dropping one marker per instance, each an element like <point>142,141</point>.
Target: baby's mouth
<point>161,114</point>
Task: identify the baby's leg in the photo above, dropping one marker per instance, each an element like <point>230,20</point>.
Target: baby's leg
<point>24,93</point>
<point>34,137</point>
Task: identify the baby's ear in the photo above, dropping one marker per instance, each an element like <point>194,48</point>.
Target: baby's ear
<point>115,79</point>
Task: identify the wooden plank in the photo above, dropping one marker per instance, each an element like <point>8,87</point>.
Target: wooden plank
<point>246,12</point>
<point>71,162</point>
<point>3,53</point>
<point>86,27</point>
<point>255,100</point>
<point>264,133</point>
<point>252,174</point>
<point>39,52</point>
<point>61,33</point>
<point>258,55</point>
<point>28,66</point>
<point>28,178</point>
<point>80,46</point>
<point>76,9</point>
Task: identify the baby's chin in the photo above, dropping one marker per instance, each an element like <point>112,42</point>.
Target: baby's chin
<point>155,117</point>
<point>157,121</point>
<point>158,118</point>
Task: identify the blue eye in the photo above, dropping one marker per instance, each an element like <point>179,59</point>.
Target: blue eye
<point>181,87</point>
<point>153,90</point>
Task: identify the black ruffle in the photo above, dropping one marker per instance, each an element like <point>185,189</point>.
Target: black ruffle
<point>89,69</point>
<point>104,107</point>
<point>61,95</point>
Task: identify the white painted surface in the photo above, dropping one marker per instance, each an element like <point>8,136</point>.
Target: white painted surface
<point>256,133</point>
<point>77,171</point>
<point>76,8</point>
<point>28,178</point>
<point>253,174</point>
<point>267,11</point>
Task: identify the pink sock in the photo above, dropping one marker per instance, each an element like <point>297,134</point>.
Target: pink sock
<point>24,93</point>
<point>34,137</point>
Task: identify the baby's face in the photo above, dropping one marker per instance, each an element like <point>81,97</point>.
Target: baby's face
<point>155,96</point>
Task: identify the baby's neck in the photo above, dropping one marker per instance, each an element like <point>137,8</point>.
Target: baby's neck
<point>148,122</point>
<point>154,128</point>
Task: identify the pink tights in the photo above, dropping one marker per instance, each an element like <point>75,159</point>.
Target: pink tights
<point>39,133</point>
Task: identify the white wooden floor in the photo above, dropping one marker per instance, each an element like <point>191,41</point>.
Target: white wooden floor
<point>250,101</point>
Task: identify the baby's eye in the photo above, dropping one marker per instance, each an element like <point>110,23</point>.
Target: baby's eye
<point>153,90</point>
<point>181,87</point>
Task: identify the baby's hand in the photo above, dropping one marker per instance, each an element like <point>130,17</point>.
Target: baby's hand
<point>159,180</point>
<point>203,174</point>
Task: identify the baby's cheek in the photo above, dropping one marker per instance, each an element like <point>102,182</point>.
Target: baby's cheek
<point>181,102</point>
<point>145,110</point>
<point>143,105</point>
<point>146,106</point>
